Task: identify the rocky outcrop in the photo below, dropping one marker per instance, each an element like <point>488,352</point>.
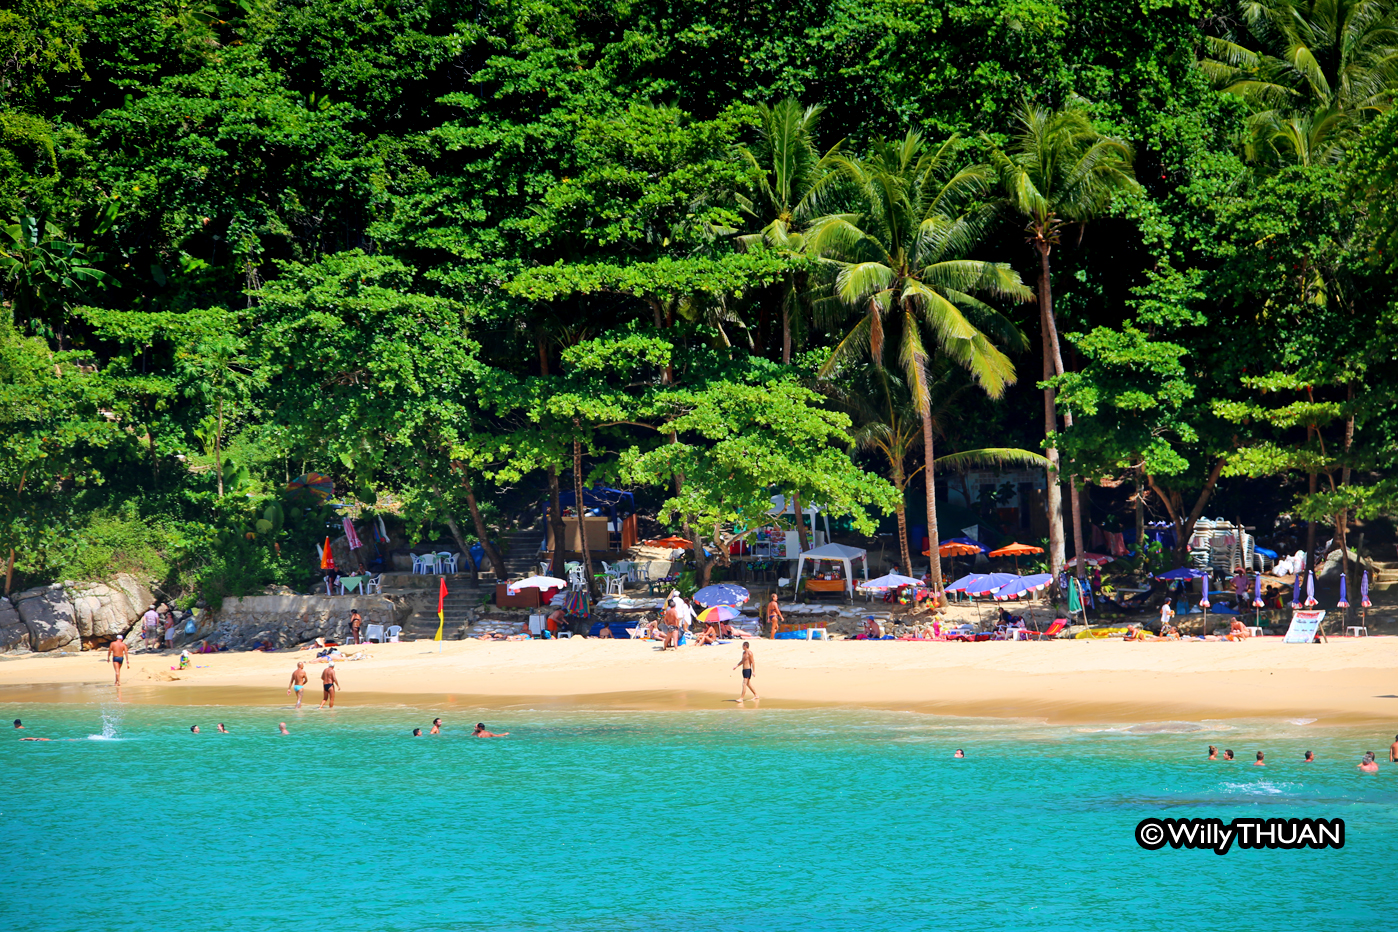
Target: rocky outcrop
<point>105,610</point>
<point>48,615</point>
<point>14,634</point>
<point>1332,567</point>
<point>288,620</point>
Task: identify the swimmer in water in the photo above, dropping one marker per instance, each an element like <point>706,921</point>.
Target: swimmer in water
<point>36,739</point>
<point>194,728</point>
<point>222,728</point>
<point>1368,764</point>
<point>1310,758</point>
<point>1213,752</point>
<point>1392,749</point>
<point>19,724</point>
<point>436,726</point>
<point>1227,754</point>
<point>282,726</point>
<point>1259,762</point>
<point>417,732</point>
<point>298,682</point>
<point>959,753</point>
<point>481,732</point>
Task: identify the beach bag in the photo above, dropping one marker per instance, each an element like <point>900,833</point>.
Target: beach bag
<point>189,626</point>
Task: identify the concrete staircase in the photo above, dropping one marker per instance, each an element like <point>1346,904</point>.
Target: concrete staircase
<point>422,590</point>
<point>521,552</point>
<point>1385,577</point>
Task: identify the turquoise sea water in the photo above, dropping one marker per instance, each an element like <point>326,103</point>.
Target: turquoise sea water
<point>726,820</point>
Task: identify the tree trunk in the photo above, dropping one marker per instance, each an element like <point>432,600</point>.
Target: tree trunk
<point>786,323</point>
<point>801,536</point>
<point>1056,350</point>
<point>218,441</point>
<point>1057,548</point>
<point>1310,529</point>
<point>10,563</point>
<point>929,474</point>
<point>461,546</point>
<point>578,507</point>
<point>1140,512</point>
<point>1184,525</point>
<point>907,566</point>
<point>491,552</point>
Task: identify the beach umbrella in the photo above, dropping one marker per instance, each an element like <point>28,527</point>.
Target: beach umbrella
<point>669,543</point>
<point>327,559</point>
<point>1310,590</point>
<point>1016,551</point>
<point>1364,591</point>
<point>537,582</point>
<point>722,594</point>
<point>891,581</point>
<point>1184,572</point>
<point>1344,600</point>
<point>963,584</point>
<point>313,484</point>
<point>719,613</point>
<point>1204,602</point>
<point>1257,591</point>
<point>988,583</point>
<point>1296,590</point>
<point>1091,559</point>
<point>1024,585</point>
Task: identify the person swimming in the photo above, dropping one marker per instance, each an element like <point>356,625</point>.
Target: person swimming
<point>436,726</point>
<point>959,754</point>
<point>1227,754</point>
<point>194,729</point>
<point>417,732</point>
<point>1309,758</point>
<point>282,726</point>
<point>1213,752</point>
<point>1369,764</point>
<point>222,728</point>
<point>482,732</point>
<point>1259,762</point>
<point>19,724</point>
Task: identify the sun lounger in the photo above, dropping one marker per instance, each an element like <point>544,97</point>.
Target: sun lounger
<point>1052,631</point>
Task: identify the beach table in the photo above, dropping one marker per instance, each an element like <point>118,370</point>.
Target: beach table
<point>353,582</point>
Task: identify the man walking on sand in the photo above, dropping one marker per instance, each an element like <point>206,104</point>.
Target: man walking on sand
<point>774,616</point>
<point>329,683</point>
<point>116,653</point>
<point>748,665</point>
<point>298,682</point>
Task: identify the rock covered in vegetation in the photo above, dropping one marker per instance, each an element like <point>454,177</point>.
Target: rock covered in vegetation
<point>48,615</point>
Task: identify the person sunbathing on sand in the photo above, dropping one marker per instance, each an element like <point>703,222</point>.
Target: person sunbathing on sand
<point>605,632</point>
<point>1237,631</point>
<point>710,636</point>
<point>1368,764</point>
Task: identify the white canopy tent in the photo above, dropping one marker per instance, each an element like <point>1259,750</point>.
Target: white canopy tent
<point>838,553</point>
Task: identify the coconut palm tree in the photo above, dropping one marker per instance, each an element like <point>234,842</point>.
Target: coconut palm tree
<point>886,420</point>
<point>1326,68</point>
<point>789,183</point>
<point>1059,171</point>
<point>899,261</point>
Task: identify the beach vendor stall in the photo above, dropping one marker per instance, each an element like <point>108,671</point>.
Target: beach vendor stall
<point>840,557</point>
<point>610,516</point>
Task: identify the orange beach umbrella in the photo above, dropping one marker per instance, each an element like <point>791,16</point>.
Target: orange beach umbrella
<point>1016,551</point>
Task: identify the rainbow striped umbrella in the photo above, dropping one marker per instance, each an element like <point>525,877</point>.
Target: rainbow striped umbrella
<point>719,613</point>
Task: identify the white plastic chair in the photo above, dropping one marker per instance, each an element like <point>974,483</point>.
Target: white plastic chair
<point>374,585</point>
<point>373,633</point>
<point>431,563</point>
<point>417,564</point>
<point>393,632</point>
<point>447,561</point>
<point>615,585</point>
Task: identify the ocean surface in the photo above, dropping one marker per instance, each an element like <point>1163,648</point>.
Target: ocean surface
<point>736,819</point>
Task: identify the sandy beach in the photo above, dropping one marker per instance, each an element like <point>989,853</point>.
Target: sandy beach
<point>1345,682</point>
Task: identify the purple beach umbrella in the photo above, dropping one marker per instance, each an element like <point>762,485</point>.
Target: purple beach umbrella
<point>1296,592</point>
<point>1364,590</point>
<point>1204,602</point>
<point>1257,591</point>
<point>1344,600</point>
<point>1310,590</point>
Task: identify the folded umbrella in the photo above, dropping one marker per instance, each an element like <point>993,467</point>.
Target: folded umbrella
<point>1257,591</point>
<point>1296,591</point>
<point>1204,602</point>
<point>1344,601</point>
<point>1364,591</point>
<point>1310,590</point>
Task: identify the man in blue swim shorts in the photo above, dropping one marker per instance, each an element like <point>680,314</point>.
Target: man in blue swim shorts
<point>298,682</point>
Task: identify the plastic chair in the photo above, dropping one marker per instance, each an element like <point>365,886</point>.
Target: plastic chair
<point>374,585</point>
<point>615,585</point>
<point>393,632</point>
<point>373,633</point>
<point>447,561</point>
<point>417,564</point>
